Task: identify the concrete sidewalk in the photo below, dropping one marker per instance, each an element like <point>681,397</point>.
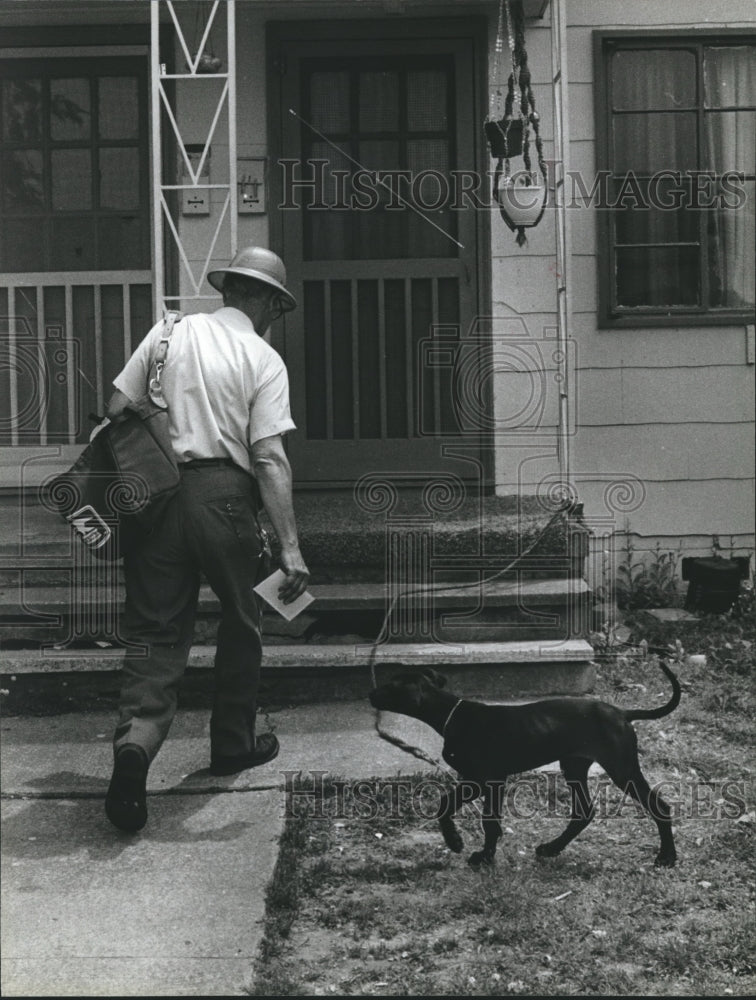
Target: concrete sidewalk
<point>178,909</point>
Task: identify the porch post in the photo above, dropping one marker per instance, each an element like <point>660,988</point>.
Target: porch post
<point>192,179</point>
<point>158,265</point>
<point>232,165</point>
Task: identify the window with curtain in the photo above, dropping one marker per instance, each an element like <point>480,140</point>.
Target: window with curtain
<point>74,174</point>
<point>677,160</point>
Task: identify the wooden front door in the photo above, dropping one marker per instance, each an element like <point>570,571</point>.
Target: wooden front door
<point>373,137</point>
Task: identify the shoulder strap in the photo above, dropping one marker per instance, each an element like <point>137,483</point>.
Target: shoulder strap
<point>154,388</point>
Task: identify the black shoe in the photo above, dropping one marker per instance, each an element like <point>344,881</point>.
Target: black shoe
<point>266,749</point>
<point>126,801</point>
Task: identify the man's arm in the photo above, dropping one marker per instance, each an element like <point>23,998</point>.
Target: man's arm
<point>117,404</point>
<point>273,473</point>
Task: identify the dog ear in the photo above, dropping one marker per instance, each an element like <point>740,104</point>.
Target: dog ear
<point>436,679</point>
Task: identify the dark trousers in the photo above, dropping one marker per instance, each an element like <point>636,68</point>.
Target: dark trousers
<point>210,527</point>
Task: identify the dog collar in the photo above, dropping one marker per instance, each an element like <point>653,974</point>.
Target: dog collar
<point>448,717</point>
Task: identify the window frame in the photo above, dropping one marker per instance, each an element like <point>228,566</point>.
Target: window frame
<point>605,44</point>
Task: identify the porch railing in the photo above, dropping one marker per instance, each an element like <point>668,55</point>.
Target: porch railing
<point>63,337</point>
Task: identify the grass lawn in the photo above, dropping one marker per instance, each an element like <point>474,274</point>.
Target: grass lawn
<point>367,900</point>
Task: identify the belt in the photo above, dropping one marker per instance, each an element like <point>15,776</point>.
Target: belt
<point>217,463</point>
<point>209,463</point>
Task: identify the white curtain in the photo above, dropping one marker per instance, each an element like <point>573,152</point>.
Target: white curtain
<point>730,82</point>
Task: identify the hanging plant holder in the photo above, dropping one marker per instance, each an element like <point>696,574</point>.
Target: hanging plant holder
<point>504,137</point>
<point>521,197</point>
<point>208,62</point>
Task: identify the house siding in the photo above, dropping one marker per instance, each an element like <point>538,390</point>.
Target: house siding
<point>672,406</point>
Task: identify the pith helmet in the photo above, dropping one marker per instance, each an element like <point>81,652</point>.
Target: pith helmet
<point>259,263</point>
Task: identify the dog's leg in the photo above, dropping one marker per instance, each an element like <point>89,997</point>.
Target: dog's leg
<point>492,798</point>
<point>638,788</point>
<point>576,774</point>
<point>464,791</point>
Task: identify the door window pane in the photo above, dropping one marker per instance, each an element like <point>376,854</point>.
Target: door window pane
<point>329,101</point>
<point>119,178</point>
<point>428,154</point>
<point>118,108</point>
<point>431,194</point>
<point>23,186</point>
<point>380,229</point>
<point>380,155</point>
<point>71,179</point>
<point>379,102</point>
<point>427,101</point>
<point>70,109</point>
<point>327,232</point>
<point>22,110</point>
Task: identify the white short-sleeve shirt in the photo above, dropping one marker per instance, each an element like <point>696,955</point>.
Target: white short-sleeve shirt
<point>226,388</point>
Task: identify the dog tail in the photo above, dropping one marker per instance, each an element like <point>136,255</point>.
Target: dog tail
<point>658,713</point>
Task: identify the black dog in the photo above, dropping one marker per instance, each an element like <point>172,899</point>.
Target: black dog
<point>486,744</point>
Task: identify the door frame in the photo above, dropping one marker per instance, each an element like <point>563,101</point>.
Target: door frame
<point>475,29</point>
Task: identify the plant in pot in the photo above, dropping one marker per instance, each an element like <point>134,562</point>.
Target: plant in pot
<point>206,61</point>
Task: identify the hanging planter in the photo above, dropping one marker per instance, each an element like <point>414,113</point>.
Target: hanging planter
<point>208,62</point>
<point>521,197</point>
<point>504,137</point>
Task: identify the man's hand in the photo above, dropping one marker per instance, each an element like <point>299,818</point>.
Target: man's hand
<point>297,575</point>
<point>271,467</point>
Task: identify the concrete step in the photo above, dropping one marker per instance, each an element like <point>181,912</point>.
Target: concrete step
<point>30,600</point>
<point>493,610</point>
<point>342,540</point>
<point>55,680</point>
<point>413,655</point>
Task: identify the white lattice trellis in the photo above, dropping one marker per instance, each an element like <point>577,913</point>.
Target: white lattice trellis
<point>195,76</point>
